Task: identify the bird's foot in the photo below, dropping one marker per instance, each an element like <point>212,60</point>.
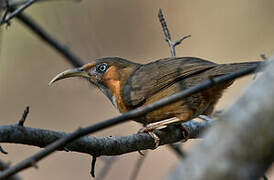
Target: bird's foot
<point>148,129</point>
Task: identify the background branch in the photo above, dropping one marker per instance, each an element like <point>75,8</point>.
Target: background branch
<point>50,40</point>
<point>241,145</point>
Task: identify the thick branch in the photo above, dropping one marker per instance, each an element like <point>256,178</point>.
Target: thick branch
<point>97,146</point>
<point>241,145</point>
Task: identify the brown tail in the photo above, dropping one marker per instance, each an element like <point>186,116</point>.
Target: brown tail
<point>229,68</point>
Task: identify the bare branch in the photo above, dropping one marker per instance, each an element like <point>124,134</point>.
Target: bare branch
<point>171,44</point>
<point>97,146</point>
<point>241,144</point>
<point>60,143</point>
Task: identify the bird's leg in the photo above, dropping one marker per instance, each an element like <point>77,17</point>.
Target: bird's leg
<point>164,123</point>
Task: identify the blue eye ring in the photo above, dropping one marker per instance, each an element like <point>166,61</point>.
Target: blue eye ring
<point>102,67</point>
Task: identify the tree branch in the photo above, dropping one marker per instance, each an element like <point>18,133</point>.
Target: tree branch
<point>241,145</point>
<point>97,146</point>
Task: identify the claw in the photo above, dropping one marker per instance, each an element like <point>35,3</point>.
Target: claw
<point>155,137</point>
<point>152,134</point>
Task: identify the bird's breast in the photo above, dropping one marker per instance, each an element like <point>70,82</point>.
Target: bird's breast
<point>112,81</point>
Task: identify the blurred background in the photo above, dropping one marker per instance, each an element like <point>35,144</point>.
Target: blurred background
<point>222,31</point>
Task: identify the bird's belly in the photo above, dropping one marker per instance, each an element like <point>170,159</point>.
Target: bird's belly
<point>169,111</point>
<point>195,105</point>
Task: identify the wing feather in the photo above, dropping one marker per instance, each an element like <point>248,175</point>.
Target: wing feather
<point>150,78</point>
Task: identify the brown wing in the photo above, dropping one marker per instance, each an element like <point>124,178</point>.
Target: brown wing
<point>150,78</point>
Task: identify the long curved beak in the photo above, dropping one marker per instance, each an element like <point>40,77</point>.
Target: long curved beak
<point>77,72</point>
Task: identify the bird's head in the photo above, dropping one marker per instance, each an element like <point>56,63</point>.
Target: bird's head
<point>108,74</point>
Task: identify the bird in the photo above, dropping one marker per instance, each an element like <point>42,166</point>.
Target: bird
<point>129,85</point>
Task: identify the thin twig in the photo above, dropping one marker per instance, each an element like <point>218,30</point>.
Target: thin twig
<point>92,169</point>
<point>16,12</point>
<point>138,166</point>
<point>46,37</point>
<point>171,43</point>
<point>103,172</point>
<point>2,150</point>
<point>24,116</point>
<point>123,118</point>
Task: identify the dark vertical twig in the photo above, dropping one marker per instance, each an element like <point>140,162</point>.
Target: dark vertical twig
<point>108,162</point>
<point>92,169</point>
<point>138,166</point>
<point>171,43</point>
<point>24,116</point>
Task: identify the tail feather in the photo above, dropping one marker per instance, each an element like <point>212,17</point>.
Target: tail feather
<point>222,69</point>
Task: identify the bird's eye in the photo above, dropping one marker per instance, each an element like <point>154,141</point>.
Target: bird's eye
<point>101,68</point>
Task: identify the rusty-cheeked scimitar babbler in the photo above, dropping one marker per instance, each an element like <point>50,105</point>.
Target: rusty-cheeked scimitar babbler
<point>129,85</point>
